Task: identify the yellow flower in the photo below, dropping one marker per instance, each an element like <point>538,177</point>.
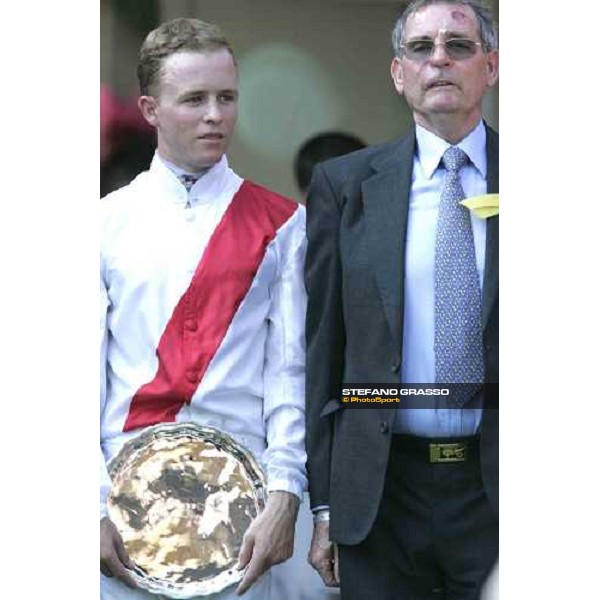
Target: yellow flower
<point>484,206</point>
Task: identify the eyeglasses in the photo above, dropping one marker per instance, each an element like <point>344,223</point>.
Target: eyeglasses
<point>455,48</point>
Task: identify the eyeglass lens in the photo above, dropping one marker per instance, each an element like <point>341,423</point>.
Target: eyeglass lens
<point>456,48</point>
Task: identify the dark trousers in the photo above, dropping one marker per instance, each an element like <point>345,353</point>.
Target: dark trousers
<point>435,536</point>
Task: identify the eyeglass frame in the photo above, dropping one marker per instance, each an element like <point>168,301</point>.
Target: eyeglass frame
<point>440,43</point>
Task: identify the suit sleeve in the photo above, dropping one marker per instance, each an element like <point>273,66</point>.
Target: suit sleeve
<point>324,330</point>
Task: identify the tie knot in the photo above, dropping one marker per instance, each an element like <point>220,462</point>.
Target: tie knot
<point>454,159</point>
<point>188,180</point>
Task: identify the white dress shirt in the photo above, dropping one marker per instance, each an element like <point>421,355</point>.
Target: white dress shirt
<point>418,359</point>
<point>153,235</point>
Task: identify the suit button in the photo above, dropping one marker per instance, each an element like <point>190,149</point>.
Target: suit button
<point>384,427</point>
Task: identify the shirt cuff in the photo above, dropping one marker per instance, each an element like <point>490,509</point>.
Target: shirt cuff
<point>285,485</point>
<point>321,517</point>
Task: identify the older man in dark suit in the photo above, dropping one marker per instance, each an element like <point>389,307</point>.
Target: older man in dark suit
<point>403,288</point>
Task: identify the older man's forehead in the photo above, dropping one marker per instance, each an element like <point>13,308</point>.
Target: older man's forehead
<point>445,19</point>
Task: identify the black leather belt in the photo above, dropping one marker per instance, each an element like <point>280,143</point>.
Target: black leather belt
<point>437,450</point>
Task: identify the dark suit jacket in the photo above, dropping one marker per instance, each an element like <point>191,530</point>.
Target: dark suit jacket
<point>357,216</point>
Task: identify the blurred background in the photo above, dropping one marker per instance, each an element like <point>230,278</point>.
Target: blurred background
<point>306,67</point>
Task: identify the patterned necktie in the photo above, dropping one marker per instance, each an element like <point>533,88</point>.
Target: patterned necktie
<point>188,180</point>
<point>458,341</point>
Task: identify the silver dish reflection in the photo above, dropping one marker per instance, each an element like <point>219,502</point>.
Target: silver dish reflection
<point>182,497</point>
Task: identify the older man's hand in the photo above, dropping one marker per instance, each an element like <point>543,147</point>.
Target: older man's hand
<point>323,556</point>
<point>269,539</point>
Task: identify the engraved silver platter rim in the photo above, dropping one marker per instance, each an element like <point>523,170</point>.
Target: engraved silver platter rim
<point>133,447</point>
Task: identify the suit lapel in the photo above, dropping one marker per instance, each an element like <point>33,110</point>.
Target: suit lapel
<point>490,281</point>
<point>385,197</point>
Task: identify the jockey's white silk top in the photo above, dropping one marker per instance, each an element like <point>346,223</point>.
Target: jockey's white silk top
<point>202,315</point>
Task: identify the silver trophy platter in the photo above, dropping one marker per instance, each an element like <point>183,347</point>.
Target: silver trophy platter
<point>182,497</point>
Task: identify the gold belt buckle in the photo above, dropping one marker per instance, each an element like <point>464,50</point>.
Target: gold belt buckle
<point>444,453</point>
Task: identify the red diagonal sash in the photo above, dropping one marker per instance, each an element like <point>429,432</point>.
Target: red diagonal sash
<point>204,312</point>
